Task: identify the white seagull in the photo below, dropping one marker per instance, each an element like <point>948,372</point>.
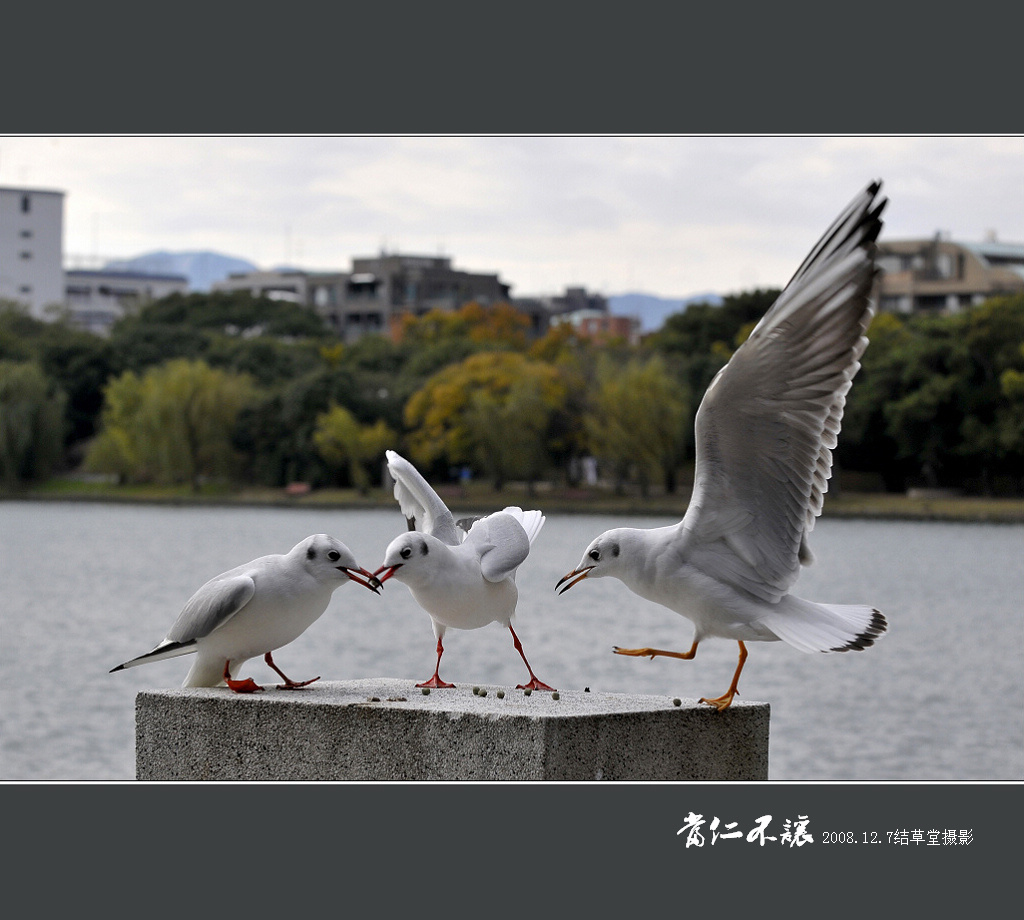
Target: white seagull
<point>764,437</point>
<point>254,609</point>
<point>461,573</point>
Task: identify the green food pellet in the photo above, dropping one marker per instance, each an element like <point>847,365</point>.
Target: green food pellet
<point>527,692</point>
<point>501,694</point>
<point>677,702</point>
<point>476,691</point>
<point>554,695</point>
<point>426,690</point>
<point>483,693</point>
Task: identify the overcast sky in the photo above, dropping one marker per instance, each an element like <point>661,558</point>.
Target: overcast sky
<point>666,215</point>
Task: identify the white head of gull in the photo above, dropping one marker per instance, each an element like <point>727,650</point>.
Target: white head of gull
<point>765,431</point>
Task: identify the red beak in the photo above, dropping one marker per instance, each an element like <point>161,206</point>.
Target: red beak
<point>371,581</point>
<point>388,571</point>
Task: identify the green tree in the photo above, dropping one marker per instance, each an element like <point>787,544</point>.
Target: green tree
<point>120,447</point>
<point>230,312</point>
<point>509,430</point>
<point>930,404</point>
<point>637,420</point>
<point>31,423</point>
<point>275,433</point>
<point>868,442</point>
<point>1010,430</point>
<point>343,442</point>
<point>702,338</point>
<point>77,362</point>
<point>174,424</point>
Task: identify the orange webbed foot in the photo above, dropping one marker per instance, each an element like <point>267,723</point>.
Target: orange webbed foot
<point>296,685</point>
<point>720,703</point>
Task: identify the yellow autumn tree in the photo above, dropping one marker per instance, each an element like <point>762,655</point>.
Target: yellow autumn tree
<point>499,325</point>
<point>494,409</point>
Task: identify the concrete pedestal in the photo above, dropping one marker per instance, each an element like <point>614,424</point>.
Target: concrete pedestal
<point>386,729</point>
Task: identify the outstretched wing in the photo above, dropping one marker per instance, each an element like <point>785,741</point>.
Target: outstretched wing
<point>501,543</point>
<point>419,502</point>
<point>767,425</point>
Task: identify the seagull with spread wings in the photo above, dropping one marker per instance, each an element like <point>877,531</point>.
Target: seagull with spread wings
<point>765,432</point>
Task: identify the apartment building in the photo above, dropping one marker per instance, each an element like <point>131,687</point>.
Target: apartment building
<point>940,275</point>
<point>95,299</point>
<point>376,292</point>
<point>32,248</point>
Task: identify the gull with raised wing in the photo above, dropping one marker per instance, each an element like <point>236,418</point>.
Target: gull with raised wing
<point>254,609</point>
<point>765,431</point>
<point>463,574</point>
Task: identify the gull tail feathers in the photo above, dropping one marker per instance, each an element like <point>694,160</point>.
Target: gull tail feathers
<point>812,627</point>
<point>531,521</point>
<point>163,651</point>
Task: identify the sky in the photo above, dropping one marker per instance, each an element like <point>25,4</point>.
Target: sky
<point>669,215</point>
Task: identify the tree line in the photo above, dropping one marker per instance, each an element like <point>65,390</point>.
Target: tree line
<point>243,390</point>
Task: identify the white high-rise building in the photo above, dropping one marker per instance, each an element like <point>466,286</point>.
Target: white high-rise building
<point>32,247</point>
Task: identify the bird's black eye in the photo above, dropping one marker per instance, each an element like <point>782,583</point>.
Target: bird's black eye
<point>406,552</point>
<point>334,555</point>
<point>595,554</point>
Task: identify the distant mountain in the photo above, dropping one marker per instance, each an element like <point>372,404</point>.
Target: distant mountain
<point>652,310</point>
<point>201,268</point>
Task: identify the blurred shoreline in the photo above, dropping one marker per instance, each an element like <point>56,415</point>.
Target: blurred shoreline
<point>481,497</point>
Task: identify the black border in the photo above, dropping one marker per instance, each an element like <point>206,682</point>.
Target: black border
<point>299,70</point>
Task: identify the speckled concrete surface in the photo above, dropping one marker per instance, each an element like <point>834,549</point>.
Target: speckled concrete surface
<point>387,729</point>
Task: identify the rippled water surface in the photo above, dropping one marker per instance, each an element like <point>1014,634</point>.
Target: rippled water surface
<point>940,697</point>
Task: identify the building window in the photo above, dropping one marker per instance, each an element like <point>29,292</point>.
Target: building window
<point>25,289</point>
<point>26,234</point>
<point>25,254</point>
<point>26,204</point>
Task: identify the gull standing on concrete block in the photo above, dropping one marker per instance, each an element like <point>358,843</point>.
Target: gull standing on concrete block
<point>764,435</point>
<point>462,574</point>
<point>254,609</point>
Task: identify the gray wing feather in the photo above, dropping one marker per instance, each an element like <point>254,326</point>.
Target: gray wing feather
<point>501,543</point>
<point>420,502</point>
<point>212,606</point>
<point>768,423</point>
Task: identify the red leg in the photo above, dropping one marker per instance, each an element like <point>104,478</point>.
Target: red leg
<point>435,681</point>
<point>240,686</point>
<point>288,684</point>
<point>534,684</point>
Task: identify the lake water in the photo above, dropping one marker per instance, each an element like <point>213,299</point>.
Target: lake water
<point>86,586</point>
